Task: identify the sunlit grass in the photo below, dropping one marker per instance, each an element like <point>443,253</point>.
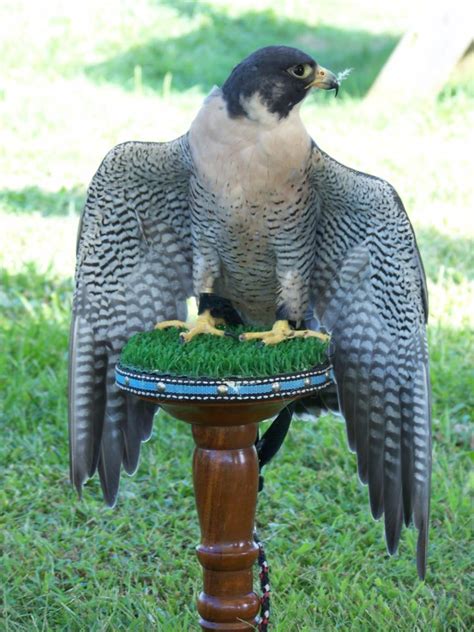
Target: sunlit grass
<point>75,81</point>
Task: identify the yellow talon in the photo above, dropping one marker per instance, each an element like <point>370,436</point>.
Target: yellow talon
<point>281,331</point>
<point>205,324</point>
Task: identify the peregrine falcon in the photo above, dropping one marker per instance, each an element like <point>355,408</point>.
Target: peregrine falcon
<point>247,213</point>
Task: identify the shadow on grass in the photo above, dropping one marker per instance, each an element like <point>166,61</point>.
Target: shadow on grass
<point>204,56</point>
<point>48,203</point>
<point>34,329</point>
<point>23,292</point>
<point>443,252</point>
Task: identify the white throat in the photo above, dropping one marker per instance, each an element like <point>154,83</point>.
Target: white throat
<point>257,154</point>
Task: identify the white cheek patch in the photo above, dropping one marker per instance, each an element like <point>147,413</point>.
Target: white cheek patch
<point>258,112</point>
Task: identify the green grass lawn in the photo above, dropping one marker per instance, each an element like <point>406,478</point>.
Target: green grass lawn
<point>72,84</point>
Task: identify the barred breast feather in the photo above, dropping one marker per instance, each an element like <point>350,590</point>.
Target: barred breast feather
<point>133,268</point>
<point>369,291</point>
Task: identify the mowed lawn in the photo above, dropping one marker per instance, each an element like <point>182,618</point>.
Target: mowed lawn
<point>75,81</point>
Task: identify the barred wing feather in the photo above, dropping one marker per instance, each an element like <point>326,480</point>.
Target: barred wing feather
<point>369,291</point>
<point>133,269</point>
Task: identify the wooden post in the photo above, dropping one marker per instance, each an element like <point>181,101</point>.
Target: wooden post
<point>225,470</point>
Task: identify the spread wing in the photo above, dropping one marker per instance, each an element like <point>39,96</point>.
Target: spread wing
<point>370,293</point>
<point>133,269</point>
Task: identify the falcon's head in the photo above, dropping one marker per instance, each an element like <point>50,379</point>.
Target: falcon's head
<point>277,77</point>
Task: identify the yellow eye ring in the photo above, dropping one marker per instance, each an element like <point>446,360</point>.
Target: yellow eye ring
<point>301,71</point>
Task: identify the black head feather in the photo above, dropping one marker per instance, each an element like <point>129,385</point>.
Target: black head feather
<point>265,73</point>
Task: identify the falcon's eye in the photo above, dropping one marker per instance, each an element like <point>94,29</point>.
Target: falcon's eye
<point>301,71</point>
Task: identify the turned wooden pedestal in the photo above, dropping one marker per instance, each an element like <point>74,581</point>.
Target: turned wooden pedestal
<point>225,472</point>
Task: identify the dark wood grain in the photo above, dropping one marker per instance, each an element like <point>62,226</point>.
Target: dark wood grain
<point>222,413</point>
<point>225,471</point>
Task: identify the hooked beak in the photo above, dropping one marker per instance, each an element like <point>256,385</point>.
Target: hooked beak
<point>324,79</point>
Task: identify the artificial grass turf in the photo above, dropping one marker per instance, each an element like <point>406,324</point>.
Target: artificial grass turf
<point>160,351</point>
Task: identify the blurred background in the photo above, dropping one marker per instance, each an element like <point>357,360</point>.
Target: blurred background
<point>78,78</point>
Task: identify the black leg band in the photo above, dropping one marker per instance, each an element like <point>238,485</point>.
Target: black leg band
<point>219,308</point>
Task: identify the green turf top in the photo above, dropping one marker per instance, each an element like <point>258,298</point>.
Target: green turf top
<point>160,351</point>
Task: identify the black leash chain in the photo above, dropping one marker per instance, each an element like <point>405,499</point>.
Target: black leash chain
<point>264,617</point>
<point>267,447</point>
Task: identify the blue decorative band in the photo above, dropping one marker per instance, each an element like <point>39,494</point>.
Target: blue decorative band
<point>172,388</point>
